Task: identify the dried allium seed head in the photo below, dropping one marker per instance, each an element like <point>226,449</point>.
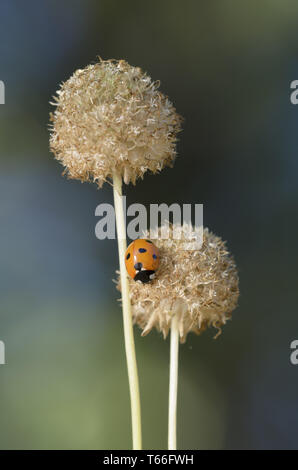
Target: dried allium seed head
<point>110,116</point>
<point>201,286</point>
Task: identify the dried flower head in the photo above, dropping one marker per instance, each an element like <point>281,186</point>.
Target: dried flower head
<point>200,286</point>
<point>110,117</point>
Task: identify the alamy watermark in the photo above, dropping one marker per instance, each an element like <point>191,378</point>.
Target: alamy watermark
<point>294,353</point>
<point>2,92</point>
<point>2,353</point>
<point>159,215</point>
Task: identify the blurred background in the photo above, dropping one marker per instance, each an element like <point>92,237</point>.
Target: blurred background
<point>227,67</point>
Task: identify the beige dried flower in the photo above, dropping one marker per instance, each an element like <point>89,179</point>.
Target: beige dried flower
<point>200,286</point>
<point>111,117</point>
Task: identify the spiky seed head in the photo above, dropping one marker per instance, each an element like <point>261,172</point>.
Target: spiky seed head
<point>200,286</point>
<point>110,117</point>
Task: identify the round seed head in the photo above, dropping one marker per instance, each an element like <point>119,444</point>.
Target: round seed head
<point>199,286</point>
<point>110,117</point>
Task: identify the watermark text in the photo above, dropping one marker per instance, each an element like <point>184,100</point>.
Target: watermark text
<point>2,92</point>
<point>2,353</point>
<point>158,215</point>
<point>294,353</point>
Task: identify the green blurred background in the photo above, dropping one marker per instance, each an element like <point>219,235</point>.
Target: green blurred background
<point>227,66</point>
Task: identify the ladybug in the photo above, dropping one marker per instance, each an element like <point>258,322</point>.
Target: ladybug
<point>142,260</point>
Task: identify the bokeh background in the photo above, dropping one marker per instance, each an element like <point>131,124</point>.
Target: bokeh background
<point>227,66</point>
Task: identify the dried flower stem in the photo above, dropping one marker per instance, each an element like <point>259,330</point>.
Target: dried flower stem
<point>173,387</point>
<point>127,318</point>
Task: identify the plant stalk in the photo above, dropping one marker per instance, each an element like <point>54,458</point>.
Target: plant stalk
<point>127,318</point>
<point>173,386</point>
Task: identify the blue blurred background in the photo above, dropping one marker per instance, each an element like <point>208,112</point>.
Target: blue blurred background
<point>227,66</point>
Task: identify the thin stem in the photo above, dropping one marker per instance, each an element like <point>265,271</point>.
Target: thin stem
<point>173,387</point>
<point>127,319</point>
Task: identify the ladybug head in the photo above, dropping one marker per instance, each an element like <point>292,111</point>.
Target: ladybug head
<point>145,276</point>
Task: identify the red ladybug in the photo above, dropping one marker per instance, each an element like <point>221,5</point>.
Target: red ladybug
<point>142,260</point>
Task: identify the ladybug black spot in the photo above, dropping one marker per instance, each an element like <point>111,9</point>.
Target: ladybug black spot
<point>128,256</point>
<point>138,266</point>
<point>154,256</point>
<point>142,250</point>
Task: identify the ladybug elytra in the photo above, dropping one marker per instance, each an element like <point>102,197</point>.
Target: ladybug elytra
<point>142,260</point>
